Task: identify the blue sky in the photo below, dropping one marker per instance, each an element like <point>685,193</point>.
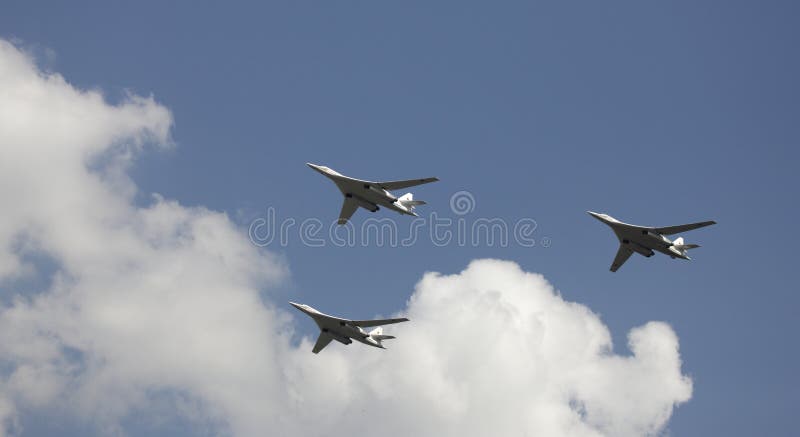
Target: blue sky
<point>657,113</point>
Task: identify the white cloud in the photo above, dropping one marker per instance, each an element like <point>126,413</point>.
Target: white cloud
<point>496,351</point>
<point>158,309</point>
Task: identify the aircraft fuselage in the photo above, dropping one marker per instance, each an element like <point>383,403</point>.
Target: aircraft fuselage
<point>339,329</point>
<point>368,196</point>
<point>641,240</point>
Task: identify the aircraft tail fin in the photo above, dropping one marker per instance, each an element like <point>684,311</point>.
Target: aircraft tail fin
<point>408,202</point>
<point>378,335</point>
<point>680,245</point>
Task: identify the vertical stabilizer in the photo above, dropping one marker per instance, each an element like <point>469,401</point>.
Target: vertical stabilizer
<point>377,335</point>
<point>680,245</point>
<point>407,200</point>
<point>680,248</point>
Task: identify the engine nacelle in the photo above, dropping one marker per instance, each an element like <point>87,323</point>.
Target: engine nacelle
<point>378,190</point>
<point>367,205</point>
<point>640,249</point>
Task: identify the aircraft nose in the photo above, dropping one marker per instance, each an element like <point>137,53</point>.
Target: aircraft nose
<point>296,305</point>
<point>315,167</point>
<point>596,215</point>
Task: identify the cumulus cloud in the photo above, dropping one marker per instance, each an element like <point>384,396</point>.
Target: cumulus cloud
<point>109,308</point>
<point>494,350</point>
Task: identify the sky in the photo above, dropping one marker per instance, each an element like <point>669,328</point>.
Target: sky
<point>143,144</point>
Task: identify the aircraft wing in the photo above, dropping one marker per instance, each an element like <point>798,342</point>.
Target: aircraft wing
<point>669,230</point>
<point>348,208</point>
<point>398,185</point>
<point>622,255</point>
<point>378,322</point>
<point>323,340</point>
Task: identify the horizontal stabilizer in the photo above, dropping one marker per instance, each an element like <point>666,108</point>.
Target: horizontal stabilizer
<point>407,201</point>
<point>378,336</point>
<point>680,245</point>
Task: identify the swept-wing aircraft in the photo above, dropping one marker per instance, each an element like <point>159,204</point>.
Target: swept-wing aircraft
<point>644,240</point>
<point>343,330</point>
<point>371,195</point>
